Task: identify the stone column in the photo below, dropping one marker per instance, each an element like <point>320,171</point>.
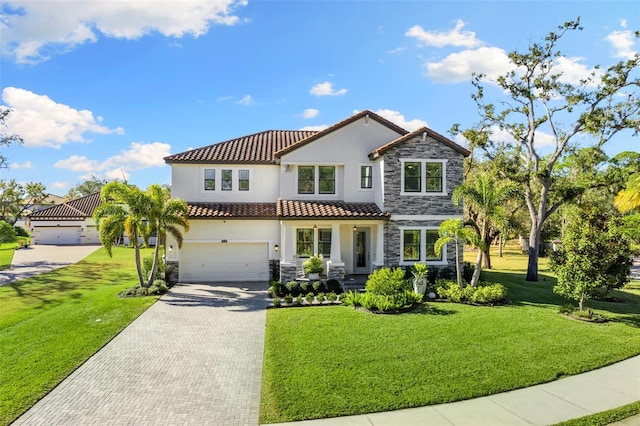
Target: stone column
<point>335,265</point>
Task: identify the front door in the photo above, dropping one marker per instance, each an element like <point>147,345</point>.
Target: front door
<point>361,252</point>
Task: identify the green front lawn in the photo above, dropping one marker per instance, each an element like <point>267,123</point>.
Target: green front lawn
<point>52,323</point>
<point>335,361</point>
<point>6,254</point>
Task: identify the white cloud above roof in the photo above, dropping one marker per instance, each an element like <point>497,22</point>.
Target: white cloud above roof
<point>33,30</point>
<point>397,118</point>
<point>310,113</point>
<point>326,89</point>
<point>42,122</point>
<point>454,37</point>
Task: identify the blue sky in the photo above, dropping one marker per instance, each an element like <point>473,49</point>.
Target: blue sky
<point>108,88</point>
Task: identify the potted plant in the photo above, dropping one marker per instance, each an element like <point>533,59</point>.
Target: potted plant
<point>313,267</point>
<point>419,272</point>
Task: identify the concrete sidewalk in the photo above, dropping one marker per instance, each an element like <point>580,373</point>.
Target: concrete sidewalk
<point>38,259</point>
<point>546,404</point>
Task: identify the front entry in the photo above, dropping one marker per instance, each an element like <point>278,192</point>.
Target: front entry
<point>361,251</point>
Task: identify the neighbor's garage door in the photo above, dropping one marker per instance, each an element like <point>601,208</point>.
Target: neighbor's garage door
<point>215,262</point>
<point>59,235</point>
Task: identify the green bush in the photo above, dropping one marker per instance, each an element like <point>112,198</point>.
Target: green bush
<point>147,264</point>
<point>158,287</point>
<point>288,299</point>
<point>7,232</point>
<point>309,297</point>
<point>20,231</point>
<point>485,294</point>
<point>276,302</point>
<point>299,299</point>
<point>386,281</point>
<point>321,297</point>
<point>293,288</point>
<point>489,294</point>
<point>331,297</point>
<point>369,301</point>
<point>352,298</point>
<point>334,286</point>
<point>317,287</point>
<point>304,287</point>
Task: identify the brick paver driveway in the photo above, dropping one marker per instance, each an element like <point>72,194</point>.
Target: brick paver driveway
<point>194,357</point>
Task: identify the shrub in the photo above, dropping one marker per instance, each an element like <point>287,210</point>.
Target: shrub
<point>158,287</point>
<point>299,299</point>
<point>20,231</point>
<point>334,286</point>
<point>147,264</point>
<point>369,301</point>
<point>309,297</point>
<point>304,287</point>
<point>489,294</point>
<point>321,297</point>
<point>352,299</point>
<point>7,232</point>
<point>389,303</point>
<point>331,297</point>
<point>467,271</point>
<point>276,302</point>
<point>293,288</point>
<point>448,289</point>
<point>483,294</point>
<point>288,299</point>
<point>386,281</point>
<point>313,265</point>
<point>317,287</point>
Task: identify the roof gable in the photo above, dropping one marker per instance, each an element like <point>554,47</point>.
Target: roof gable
<point>79,208</point>
<point>426,132</point>
<point>255,148</point>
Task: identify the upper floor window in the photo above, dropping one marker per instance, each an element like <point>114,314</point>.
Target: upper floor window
<point>327,179</point>
<point>243,180</point>
<point>424,177</point>
<point>306,180</point>
<point>366,178</point>
<point>227,180</point>
<point>418,245</point>
<point>312,177</point>
<point>209,179</point>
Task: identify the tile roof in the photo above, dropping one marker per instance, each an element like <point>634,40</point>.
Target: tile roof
<point>328,209</point>
<point>79,208</point>
<point>231,210</point>
<point>435,135</point>
<point>256,148</point>
<point>366,113</point>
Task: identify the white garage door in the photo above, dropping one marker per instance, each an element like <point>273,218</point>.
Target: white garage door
<point>58,235</point>
<point>216,262</point>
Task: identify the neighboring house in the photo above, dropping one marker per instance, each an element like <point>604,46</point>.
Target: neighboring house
<point>65,224</point>
<point>364,193</point>
<point>30,207</point>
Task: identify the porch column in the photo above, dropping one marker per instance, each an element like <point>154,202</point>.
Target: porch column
<point>288,243</point>
<point>335,265</point>
<point>378,260</point>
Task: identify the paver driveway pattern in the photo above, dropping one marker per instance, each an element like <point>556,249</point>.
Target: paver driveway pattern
<point>38,259</point>
<point>193,358</point>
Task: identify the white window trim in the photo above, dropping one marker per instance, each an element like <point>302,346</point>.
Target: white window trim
<point>235,184</point>
<point>423,175</point>
<point>316,239</point>
<point>316,181</point>
<point>423,246</point>
<point>359,177</point>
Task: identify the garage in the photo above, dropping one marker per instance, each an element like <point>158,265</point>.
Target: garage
<point>57,235</point>
<point>217,262</point>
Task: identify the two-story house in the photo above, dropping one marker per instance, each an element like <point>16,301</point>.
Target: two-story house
<point>364,193</point>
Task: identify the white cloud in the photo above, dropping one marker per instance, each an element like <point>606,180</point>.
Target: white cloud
<point>399,119</point>
<point>140,156</point>
<point>33,30</point>
<point>60,185</point>
<point>623,42</point>
<point>326,89</point>
<point>26,165</point>
<point>453,37</point>
<point>43,122</point>
<point>246,100</point>
<point>458,67</point>
<point>315,128</point>
<point>310,113</point>
<point>572,71</point>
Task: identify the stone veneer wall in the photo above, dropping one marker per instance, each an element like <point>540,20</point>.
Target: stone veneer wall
<point>172,274</point>
<point>288,273</point>
<point>336,273</point>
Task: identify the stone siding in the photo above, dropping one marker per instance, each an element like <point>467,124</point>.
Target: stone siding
<point>288,273</point>
<point>172,274</point>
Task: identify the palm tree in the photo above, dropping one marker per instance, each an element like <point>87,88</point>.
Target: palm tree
<point>165,215</point>
<point>485,201</point>
<point>453,230</point>
<point>123,209</point>
<point>628,199</point>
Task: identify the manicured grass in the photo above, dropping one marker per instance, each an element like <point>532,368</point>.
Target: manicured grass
<point>606,417</point>
<point>6,254</point>
<point>334,361</point>
<point>52,323</point>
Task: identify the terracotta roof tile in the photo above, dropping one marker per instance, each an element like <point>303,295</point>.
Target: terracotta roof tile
<point>356,117</point>
<point>256,148</point>
<point>328,209</point>
<point>79,208</point>
<point>435,135</point>
<point>232,210</point>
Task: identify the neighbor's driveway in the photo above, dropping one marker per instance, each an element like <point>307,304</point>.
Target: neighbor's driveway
<point>42,258</point>
<point>194,357</point>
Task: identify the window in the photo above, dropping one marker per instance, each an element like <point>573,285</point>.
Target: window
<point>424,177</point>
<point>209,179</point>
<point>304,242</point>
<point>324,242</point>
<point>306,180</point>
<point>227,180</point>
<point>243,180</point>
<point>433,177</point>
<point>365,177</point>
<point>431,236</point>
<point>327,182</point>
<point>418,245</point>
<point>412,176</point>
<point>411,244</point>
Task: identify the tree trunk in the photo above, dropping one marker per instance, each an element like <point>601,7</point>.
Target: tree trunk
<point>458,272</point>
<point>581,301</point>
<point>500,246</point>
<point>136,247</point>
<point>534,253</point>
<point>486,258</point>
<point>475,279</point>
<point>154,268</point>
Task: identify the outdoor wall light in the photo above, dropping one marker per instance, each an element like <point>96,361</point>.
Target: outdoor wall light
<point>355,228</point>
<point>276,248</point>
<point>315,227</point>
<point>170,249</point>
